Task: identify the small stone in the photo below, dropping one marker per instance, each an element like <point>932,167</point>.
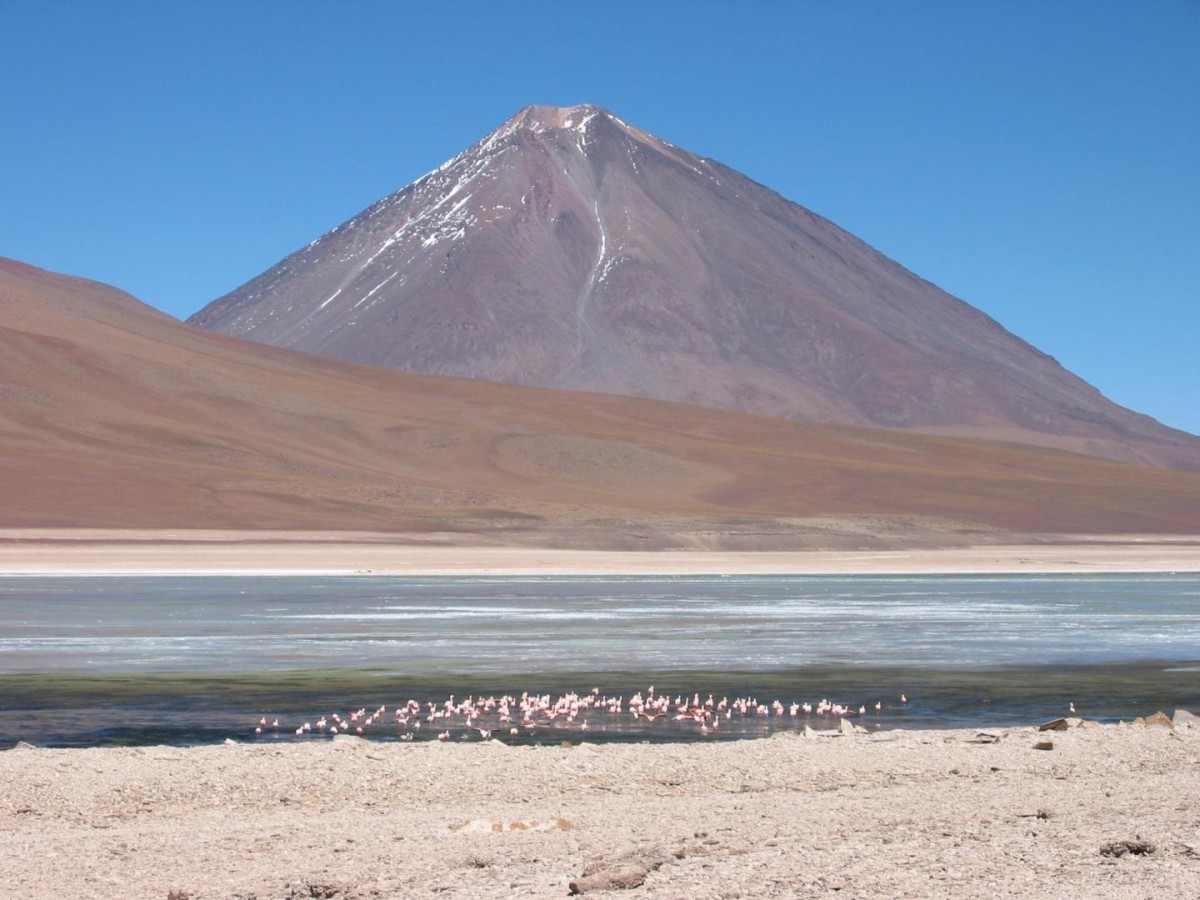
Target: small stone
<point>1054,725</point>
<point>1185,719</point>
<point>1044,745</point>
<point>1160,718</point>
<point>619,878</point>
<point>499,826</point>
<point>1117,849</point>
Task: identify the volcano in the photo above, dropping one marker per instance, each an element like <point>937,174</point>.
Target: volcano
<point>569,249</point>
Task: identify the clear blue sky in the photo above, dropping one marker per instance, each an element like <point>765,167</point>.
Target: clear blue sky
<point>1039,160</point>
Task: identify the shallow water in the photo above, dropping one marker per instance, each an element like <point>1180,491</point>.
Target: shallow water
<point>87,661</point>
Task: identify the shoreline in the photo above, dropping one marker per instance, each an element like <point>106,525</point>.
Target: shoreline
<point>97,552</point>
<point>1095,810</point>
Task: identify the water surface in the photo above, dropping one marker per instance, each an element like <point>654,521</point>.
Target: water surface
<point>186,659</point>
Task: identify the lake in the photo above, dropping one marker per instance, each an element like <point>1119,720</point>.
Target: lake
<point>132,660</point>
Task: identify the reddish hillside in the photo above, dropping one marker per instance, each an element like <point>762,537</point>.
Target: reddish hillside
<point>114,415</point>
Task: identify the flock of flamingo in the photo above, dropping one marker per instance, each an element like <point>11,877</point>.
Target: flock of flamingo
<point>533,715</point>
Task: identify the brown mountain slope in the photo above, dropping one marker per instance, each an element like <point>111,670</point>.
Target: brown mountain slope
<point>114,415</point>
<point>569,249</point>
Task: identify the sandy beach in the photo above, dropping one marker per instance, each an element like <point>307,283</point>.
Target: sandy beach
<point>1099,811</point>
<point>93,551</point>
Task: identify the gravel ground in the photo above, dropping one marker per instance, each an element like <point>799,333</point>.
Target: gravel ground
<point>1109,811</point>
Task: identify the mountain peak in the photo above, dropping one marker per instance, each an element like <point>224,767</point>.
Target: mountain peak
<point>580,119</point>
<point>540,117</point>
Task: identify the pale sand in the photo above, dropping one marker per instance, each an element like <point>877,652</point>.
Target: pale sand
<point>81,551</point>
<point>891,814</point>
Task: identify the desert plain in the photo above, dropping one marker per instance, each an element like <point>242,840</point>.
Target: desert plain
<point>37,551</point>
<point>1090,811</point>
